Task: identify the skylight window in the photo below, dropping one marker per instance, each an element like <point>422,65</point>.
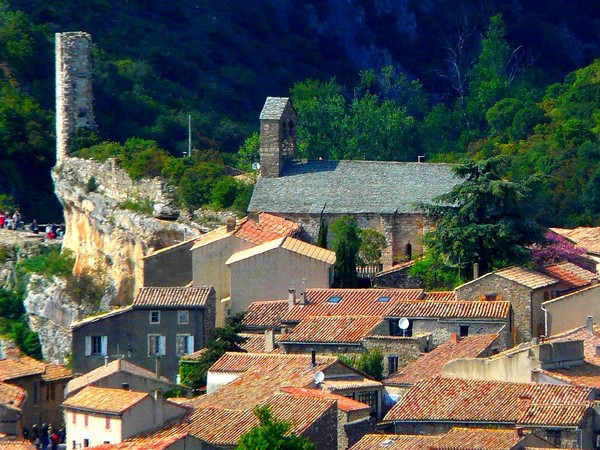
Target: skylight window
<point>334,299</point>
<point>383,299</point>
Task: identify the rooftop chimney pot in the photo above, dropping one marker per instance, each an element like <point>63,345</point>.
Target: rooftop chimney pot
<point>454,337</point>
<point>589,324</point>
<point>231,224</point>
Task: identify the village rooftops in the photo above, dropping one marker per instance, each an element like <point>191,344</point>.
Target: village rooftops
<point>452,309</point>
<point>344,403</point>
<point>16,366</point>
<point>394,442</point>
<point>352,187</point>
<point>265,314</point>
<point>15,443</point>
<point>12,396</point>
<point>431,364</point>
<point>570,275</point>
<point>590,338</point>
<point>587,238</point>
<point>150,443</point>
<point>172,297</point>
<point>266,228</point>
<point>350,302</point>
<point>117,366</point>
<point>524,276</point>
<point>453,400</point>
<point>331,330</point>
<point>288,243</point>
<point>104,400</point>
<point>234,362</point>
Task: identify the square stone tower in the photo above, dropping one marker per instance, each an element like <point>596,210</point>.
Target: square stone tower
<point>278,121</point>
<point>74,97</point>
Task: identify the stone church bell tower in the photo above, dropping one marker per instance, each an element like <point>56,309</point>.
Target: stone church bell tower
<point>278,121</point>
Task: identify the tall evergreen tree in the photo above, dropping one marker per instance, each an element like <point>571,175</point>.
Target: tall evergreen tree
<point>346,244</point>
<point>323,230</point>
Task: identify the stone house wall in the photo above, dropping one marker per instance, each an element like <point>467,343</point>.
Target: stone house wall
<point>521,298</point>
<point>407,349</point>
<point>441,329</point>
<point>352,432</point>
<point>169,267</point>
<point>323,432</point>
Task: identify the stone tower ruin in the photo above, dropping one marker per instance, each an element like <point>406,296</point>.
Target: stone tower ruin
<point>74,97</point>
<point>278,120</point>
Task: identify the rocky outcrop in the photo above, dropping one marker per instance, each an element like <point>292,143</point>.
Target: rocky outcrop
<point>103,227</point>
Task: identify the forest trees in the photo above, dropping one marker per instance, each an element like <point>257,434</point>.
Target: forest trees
<point>481,220</point>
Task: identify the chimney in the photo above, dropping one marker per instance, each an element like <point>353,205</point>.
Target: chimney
<point>230,224</point>
<point>475,271</point>
<point>454,337</point>
<point>269,340</point>
<point>313,357</point>
<point>291,296</point>
<point>303,298</point>
<point>125,386</point>
<point>589,325</point>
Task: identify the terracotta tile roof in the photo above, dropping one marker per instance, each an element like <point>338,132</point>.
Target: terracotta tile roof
<point>12,396</point>
<point>331,329</point>
<point>394,442</point>
<point>440,296</point>
<point>590,341</point>
<point>336,384</point>
<point>344,403</point>
<point>431,364</point>
<point>15,443</point>
<point>254,343</point>
<point>11,369</point>
<point>569,274</point>
<point>150,443</point>
<point>99,317</point>
<point>232,362</point>
<point>459,438</point>
<point>452,309</point>
<point>265,314</point>
<point>288,243</point>
<point>268,228</point>
<point>584,237</point>
<point>527,277</point>
<point>396,268</point>
<point>104,400</point>
<point>112,368</point>
<point>475,401</point>
<point>224,426</point>
<point>353,302</point>
<point>172,297</point>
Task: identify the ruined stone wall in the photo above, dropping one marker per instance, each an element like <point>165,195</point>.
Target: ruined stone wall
<point>74,97</point>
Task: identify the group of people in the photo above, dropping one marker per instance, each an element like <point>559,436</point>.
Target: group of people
<point>11,221</point>
<point>45,436</point>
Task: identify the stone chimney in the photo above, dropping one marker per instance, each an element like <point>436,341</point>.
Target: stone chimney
<point>291,296</point>
<point>303,298</point>
<point>589,325</point>
<point>74,97</point>
<point>278,121</point>
<point>269,340</point>
<point>475,271</point>
<point>231,223</point>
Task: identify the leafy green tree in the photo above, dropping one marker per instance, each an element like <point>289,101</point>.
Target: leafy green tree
<point>249,151</point>
<point>224,192</point>
<point>272,434</point>
<point>482,220</point>
<point>372,243</point>
<point>197,183</point>
<point>369,362</point>
<point>346,244</point>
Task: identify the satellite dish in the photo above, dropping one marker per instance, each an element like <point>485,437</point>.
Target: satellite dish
<point>403,323</point>
<point>255,166</point>
<point>319,377</point>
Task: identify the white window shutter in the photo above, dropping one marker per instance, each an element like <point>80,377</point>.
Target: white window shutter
<point>190,345</point>
<point>162,345</point>
<point>104,346</point>
<point>88,345</point>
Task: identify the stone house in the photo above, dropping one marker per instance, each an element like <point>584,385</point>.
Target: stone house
<point>382,195</point>
<point>117,374</point>
<point>561,414</point>
<point>586,238</point>
<point>12,400</point>
<point>44,384</point>
<point>95,416</point>
<point>161,325</point>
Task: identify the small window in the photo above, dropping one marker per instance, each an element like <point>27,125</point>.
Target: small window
<point>86,443</point>
<point>86,420</point>
<point>154,316</point>
<point>383,299</point>
<point>183,317</point>
<point>156,345</point>
<point>107,426</point>
<point>74,418</point>
<point>334,299</point>
<point>408,251</point>
<point>185,344</point>
<point>392,364</point>
<point>96,345</point>
<point>463,330</point>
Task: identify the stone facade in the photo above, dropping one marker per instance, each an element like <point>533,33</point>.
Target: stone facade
<point>171,266</point>
<point>74,97</point>
<point>323,432</point>
<point>277,135</point>
<point>398,277</point>
<point>441,329</point>
<point>407,349</point>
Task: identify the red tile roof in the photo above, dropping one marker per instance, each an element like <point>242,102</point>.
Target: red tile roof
<point>527,277</point>
<point>590,341</point>
<point>344,403</point>
<point>569,274</point>
<point>440,296</point>
<point>476,401</point>
<point>150,443</point>
<point>15,443</point>
<point>354,302</point>
<point>12,396</point>
<point>452,309</point>
<point>24,366</point>
<point>431,364</point>
<point>265,314</point>
<point>394,442</point>
<point>104,400</point>
<point>173,297</point>
<point>268,228</point>
<point>232,362</point>
<point>459,438</point>
<point>331,330</point>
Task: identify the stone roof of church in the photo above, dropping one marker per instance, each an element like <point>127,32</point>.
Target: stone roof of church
<point>273,108</point>
<point>352,187</point>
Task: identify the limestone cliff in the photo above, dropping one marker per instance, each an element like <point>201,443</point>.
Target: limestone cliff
<point>102,229</point>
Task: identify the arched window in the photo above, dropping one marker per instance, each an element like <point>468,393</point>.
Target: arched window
<point>408,251</point>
